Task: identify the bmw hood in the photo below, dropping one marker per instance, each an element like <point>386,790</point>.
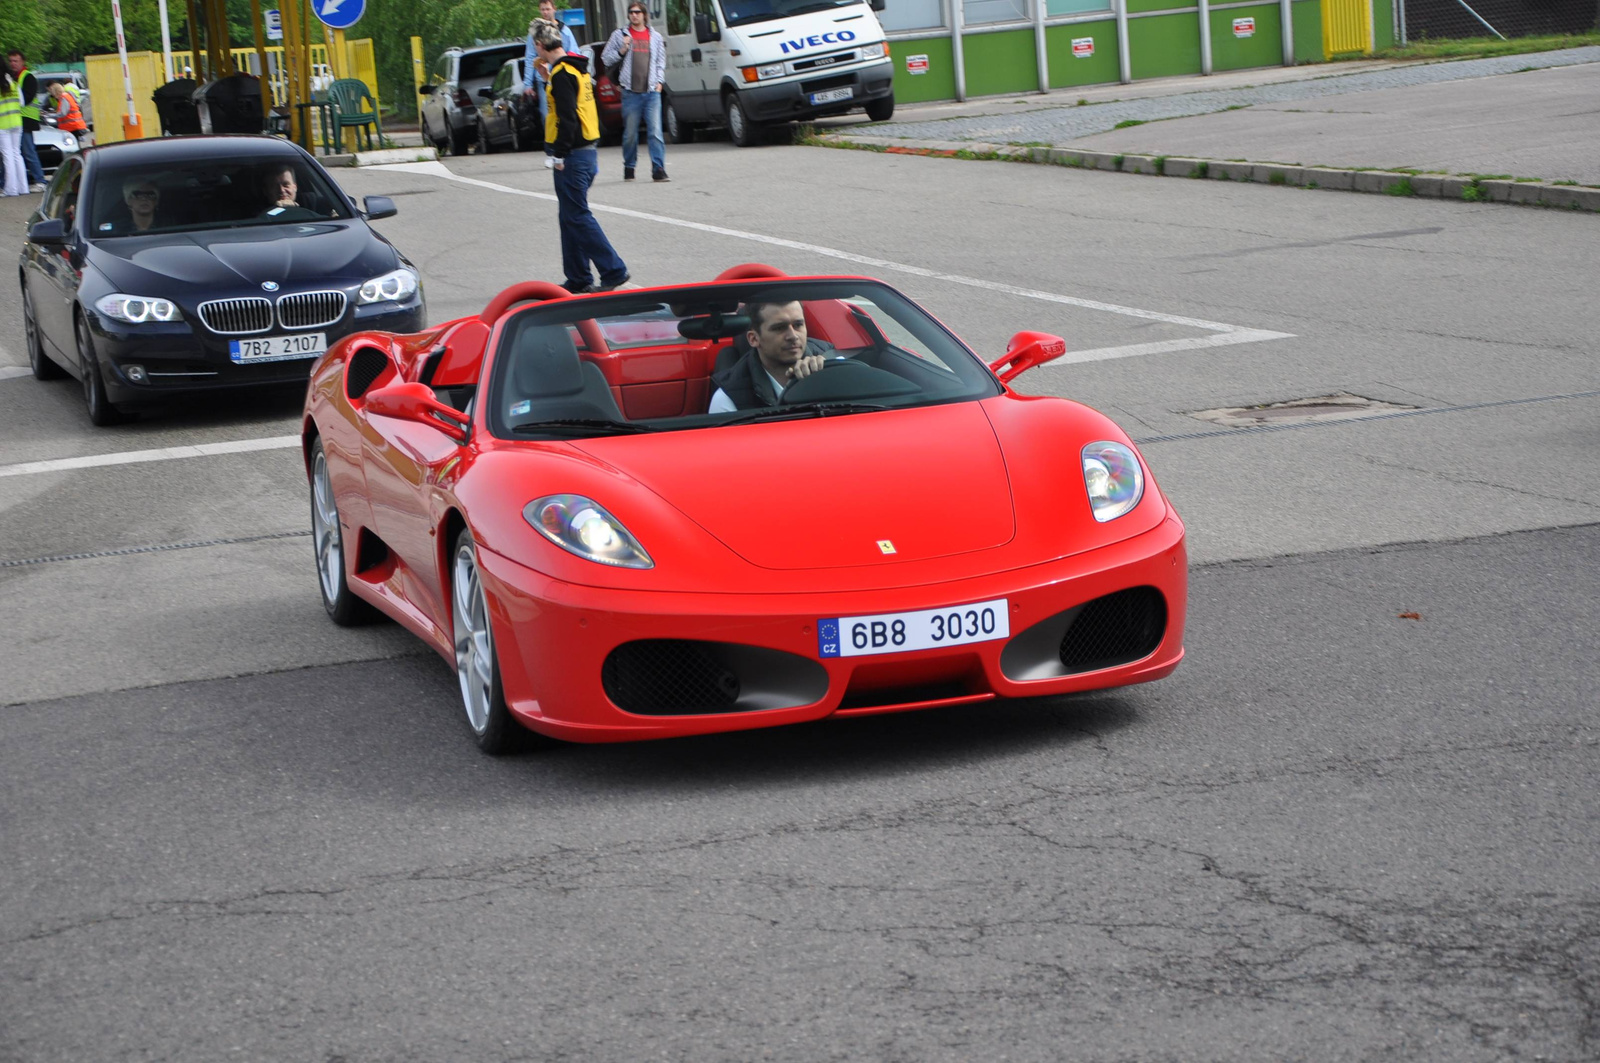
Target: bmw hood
<point>217,263</point>
<point>836,492</point>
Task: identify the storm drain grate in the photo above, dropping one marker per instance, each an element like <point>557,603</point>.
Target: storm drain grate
<point>1337,407</point>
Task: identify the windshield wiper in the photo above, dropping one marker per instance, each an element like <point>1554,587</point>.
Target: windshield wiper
<point>801,410</point>
<point>583,426</point>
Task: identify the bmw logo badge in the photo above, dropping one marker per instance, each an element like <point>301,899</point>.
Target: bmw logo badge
<point>269,286</point>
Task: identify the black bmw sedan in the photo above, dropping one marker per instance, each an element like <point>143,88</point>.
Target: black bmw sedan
<point>155,268</point>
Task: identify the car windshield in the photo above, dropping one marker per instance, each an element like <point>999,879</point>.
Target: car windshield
<point>481,66</point>
<point>717,356</point>
<point>742,12</point>
<point>211,194</point>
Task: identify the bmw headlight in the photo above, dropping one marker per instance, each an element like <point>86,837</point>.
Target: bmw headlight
<point>1114,478</point>
<point>391,288</point>
<point>137,309</point>
<point>583,527</point>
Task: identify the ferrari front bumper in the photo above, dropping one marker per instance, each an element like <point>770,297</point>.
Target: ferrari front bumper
<point>569,654</point>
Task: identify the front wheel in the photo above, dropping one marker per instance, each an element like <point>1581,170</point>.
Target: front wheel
<point>477,669</point>
<point>102,414</point>
<point>678,131</point>
<point>741,129</point>
<point>456,138</point>
<point>327,540</point>
<point>881,110</point>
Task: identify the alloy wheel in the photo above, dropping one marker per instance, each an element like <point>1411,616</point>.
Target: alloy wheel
<point>474,642</point>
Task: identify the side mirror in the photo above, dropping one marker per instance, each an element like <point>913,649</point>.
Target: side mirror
<point>426,90</point>
<point>704,32</point>
<point>1026,350</point>
<point>486,94</point>
<point>375,207</point>
<point>415,402</point>
<point>52,232</point>
<point>878,5</point>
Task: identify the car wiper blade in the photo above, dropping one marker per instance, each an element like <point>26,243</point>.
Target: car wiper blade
<point>802,410</point>
<point>582,426</point>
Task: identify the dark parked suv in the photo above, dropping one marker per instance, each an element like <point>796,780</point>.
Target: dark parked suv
<point>450,98</point>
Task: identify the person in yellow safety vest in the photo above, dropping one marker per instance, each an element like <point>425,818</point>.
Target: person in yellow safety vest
<point>16,181</point>
<point>69,117</point>
<point>570,134</point>
<point>27,87</point>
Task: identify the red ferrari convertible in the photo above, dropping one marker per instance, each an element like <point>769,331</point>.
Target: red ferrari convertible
<point>750,502</point>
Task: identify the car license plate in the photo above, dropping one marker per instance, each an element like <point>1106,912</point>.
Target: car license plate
<point>278,348</point>
<point>832,95</point>
<point>926,629</point>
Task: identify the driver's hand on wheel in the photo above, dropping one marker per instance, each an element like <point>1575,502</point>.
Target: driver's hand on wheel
<point>808,364</point>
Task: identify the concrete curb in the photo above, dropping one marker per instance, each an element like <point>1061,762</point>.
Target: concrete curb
<point>382,157</point>
<point>1427,186</point>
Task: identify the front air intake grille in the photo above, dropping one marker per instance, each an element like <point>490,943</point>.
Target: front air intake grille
<point>236,317</point>
<point>366,366</point>
<point>656,677</point>
<point>310,309</point>
<point>1117,629</point>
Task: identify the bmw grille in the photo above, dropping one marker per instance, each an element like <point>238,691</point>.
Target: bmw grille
<point>237,316</point>
<point>310,309</point>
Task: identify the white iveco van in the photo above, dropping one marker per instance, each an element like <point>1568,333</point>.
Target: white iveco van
<point>747,63</point>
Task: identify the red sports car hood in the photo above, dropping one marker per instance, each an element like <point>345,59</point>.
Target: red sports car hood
<point>863,489</point>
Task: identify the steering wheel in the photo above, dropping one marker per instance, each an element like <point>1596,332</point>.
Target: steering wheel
<point>839,378</point>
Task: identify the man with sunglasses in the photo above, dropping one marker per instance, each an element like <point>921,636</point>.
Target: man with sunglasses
<point>643,55</point>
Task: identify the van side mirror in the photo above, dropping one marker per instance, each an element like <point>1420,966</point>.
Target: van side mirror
<point>1026,350</point>
<point>415,402</point>
<point>704,31</point>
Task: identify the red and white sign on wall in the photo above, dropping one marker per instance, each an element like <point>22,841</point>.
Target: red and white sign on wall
<point>916,64</point>
<point>1244,27</point>
<point>1082,47</point>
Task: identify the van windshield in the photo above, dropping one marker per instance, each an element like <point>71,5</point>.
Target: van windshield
<point>744,12</point>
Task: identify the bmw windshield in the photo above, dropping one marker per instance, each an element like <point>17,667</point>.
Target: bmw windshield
<point>716,356</point>
<point>210,194</point>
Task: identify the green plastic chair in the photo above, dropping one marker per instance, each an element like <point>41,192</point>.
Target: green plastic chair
<point>351,98</point>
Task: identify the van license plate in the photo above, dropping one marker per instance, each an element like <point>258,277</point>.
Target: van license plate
<point>278,348</point>
<point>832,95</point>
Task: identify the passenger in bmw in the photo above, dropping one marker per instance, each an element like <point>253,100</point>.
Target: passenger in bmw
<point>779,354</point>
<point>142,196</point>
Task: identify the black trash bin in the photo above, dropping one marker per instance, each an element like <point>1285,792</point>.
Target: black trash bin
<point>175,106</point>
<point>230,105</point>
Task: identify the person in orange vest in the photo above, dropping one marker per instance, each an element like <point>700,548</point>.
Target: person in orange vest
<point>69,117</point>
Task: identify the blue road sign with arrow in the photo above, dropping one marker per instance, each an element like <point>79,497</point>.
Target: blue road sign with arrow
<point>339,14</point>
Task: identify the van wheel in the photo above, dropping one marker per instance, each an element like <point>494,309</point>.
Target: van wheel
<point>678,131</point>
<point>741,130</point>
<point>881,110</point>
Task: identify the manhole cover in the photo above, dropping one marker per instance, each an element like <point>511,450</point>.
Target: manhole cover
<point>1340,407</point>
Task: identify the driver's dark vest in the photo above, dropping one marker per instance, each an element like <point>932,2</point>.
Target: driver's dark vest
<point>739,383</point>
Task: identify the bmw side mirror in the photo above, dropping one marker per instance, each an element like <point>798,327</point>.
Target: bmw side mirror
<point>52,232</point>
<point>878,5</point>
<point>375,207</point>
<point>704,31</point>
<point>1026,350</point>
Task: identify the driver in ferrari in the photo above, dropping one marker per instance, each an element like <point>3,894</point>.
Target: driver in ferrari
<point>780,354</point>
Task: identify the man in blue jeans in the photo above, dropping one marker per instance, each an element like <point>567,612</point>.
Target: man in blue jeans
<point>643,55</point>
<point>570,134</point>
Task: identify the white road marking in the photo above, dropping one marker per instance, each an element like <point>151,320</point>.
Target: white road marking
<point>1221,334</point>
<point>12,372</point>
<point>135,457</point>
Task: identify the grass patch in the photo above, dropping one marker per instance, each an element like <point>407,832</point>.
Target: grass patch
<point>1128,123</point>
<point>1083,101</point>
<point>1473,191</point>
<point>1159,163</point>
<point>1401,187</point>
<point>1278,178</point>
<point>1117,161</point>
<point>1481,47</point>
<point>1201,169</point>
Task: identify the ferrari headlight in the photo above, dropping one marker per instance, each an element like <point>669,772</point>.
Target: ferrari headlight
<point>583,527</point>
<point>1114,478</point>
<point>137,309</point>
<point>391,288</point>
<point>872,51</point>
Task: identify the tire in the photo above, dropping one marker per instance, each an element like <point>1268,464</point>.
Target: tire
<point>441,146</point>
<point>43,367</point>
<point>457,139</point>
<point>484,145</point>
<point>327,545</point>
<point>477,668</point>
<point>102,414</point>
<point>741,130</point>
<point>517,141</point>
<point>677,131</point>
<point>881,110</point>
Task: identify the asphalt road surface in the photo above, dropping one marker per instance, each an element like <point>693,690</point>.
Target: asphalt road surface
<point>1359,822</point>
